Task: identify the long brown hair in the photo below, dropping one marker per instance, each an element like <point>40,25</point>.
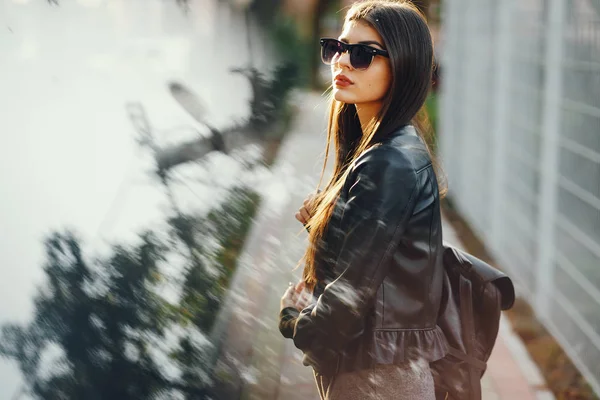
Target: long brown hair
<point>408,41</point>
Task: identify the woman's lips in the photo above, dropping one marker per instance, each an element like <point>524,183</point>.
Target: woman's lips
<point>342,81</point>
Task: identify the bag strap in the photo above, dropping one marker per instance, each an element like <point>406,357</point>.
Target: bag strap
<point>468,328</point>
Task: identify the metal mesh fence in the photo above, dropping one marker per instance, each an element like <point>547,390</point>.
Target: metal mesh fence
<point>520,143</point>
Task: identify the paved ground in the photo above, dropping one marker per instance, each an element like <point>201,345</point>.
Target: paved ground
<point>259,361</point>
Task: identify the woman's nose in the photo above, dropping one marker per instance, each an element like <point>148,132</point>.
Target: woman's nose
<point>343,60</point>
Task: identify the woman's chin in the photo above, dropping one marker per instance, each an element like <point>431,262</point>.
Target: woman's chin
<point>340,94</point>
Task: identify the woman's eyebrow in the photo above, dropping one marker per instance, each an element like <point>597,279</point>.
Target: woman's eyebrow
<point>371,42</point>
<point>367,42</point>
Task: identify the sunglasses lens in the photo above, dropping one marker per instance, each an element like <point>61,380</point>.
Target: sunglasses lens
<point>360,57</point>
<point>329,50</point>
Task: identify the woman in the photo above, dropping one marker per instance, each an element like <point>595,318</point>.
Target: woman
<point>374,263</point>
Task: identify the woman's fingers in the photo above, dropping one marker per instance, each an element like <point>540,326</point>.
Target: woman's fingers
<point>289,292</point>
<point>304,300</point>
<point>285,300</point>
<point>305,214</point>
<point>302,215</point>
<point>300,288</point>
<point>304,297</point>
<point>289,298</point>
<point>308,202</point>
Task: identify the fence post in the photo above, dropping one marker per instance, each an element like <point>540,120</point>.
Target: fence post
<point>501,116</point>
<point>448,134</point>
<point>549,161</point>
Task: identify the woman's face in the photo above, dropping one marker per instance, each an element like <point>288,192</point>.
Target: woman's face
<point>361,86</point>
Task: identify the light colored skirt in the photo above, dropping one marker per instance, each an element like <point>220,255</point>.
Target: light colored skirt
<point>412,381</point>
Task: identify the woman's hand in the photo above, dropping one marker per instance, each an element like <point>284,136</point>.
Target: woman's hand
<point>305,296</point>
<point>297,296</point>
<point>289,298</point>
<point>305,212</point>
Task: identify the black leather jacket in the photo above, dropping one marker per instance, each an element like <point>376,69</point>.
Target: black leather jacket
<point>382,259</point>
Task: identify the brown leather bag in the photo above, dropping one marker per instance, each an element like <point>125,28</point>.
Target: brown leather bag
<point>474,293</point>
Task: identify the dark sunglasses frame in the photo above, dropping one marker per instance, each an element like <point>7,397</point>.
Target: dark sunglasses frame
<point>346,47</point>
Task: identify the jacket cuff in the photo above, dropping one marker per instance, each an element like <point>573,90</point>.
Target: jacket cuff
<point>287,321</point>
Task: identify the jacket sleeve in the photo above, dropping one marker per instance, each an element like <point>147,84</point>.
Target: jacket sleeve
<point>287,321</point>
<point>381,198</point>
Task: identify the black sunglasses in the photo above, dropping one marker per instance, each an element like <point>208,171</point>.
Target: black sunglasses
<point>361,55</point>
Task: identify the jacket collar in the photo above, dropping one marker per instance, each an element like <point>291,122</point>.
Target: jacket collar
<point>406,130</point>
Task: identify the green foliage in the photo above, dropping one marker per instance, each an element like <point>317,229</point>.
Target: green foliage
<point>265,10</point>
<point>269,96</point>
<point>98,316</point>
<point>106,316</point>
<point>291,47</point>
<point>228,225</point>
<point>431,108</point>
<point>431,104</point>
